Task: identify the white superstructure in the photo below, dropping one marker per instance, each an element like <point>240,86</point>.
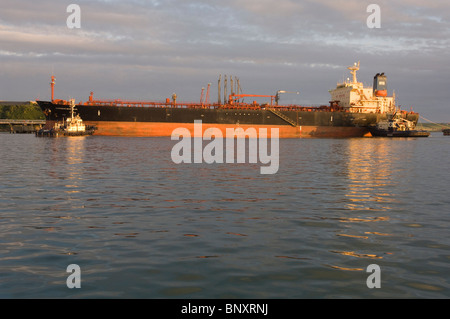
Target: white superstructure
<point>74,124</point>
<point>353,96</point>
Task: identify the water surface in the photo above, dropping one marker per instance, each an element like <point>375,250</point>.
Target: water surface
<point>140,226</point>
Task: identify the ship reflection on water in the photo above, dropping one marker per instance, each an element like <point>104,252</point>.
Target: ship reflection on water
<point>369,176</point>
<point>374,173</point>
<point>66,156</point>
<point>74,158</point>
<point>65,174</point>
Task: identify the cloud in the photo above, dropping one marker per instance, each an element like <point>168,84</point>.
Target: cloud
<point>147,49</point>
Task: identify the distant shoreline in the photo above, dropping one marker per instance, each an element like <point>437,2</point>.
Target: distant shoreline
<point>19,110</point>
<point>9,103</point>
<point>438,127</point>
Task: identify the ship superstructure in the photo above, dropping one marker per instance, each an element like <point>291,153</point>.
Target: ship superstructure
<point>354,97</point>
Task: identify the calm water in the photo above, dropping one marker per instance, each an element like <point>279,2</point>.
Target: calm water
<point>140,226</point>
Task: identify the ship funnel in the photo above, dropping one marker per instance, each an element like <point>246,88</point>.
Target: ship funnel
<point>380,85</point>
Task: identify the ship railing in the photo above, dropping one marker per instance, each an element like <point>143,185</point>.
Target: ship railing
<point>149,104</point>
<point>191,105</point>
<point>292,107</point>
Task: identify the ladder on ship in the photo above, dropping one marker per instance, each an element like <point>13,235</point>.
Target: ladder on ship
<point>283,117</point>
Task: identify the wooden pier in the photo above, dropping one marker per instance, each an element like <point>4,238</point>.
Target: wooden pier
<point>23,126</point>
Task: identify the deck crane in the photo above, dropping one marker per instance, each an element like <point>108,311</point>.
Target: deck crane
<point>207,94</point>
<point>234,97</point>
<point>204,99</point>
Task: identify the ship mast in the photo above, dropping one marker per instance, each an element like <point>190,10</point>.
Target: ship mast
<point>72,106</point>
<point>353,70</point>
<point>52,86</point>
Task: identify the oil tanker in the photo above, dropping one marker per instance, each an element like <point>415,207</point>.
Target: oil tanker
<point>351,111</point>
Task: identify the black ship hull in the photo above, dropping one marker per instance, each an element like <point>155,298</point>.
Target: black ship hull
<point>161,121</point>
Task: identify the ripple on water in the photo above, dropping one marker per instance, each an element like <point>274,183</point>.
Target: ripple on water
<point>140,226</point>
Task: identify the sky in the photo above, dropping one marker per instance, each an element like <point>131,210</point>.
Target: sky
<point>148,50</point>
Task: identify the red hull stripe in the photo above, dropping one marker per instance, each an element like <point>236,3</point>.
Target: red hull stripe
<point>105,128</point>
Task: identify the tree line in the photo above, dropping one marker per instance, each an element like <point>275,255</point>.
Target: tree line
<point>21,112</point>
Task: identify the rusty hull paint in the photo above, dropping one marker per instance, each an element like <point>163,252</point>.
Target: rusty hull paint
<point>154,129</point>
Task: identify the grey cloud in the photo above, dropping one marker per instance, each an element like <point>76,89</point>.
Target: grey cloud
<point>147,49</point>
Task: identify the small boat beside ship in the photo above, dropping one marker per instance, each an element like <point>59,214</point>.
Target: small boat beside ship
<point>72,126</point>
<point>397,127</point>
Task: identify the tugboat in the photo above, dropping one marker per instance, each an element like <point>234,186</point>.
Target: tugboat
<point>73,126</point>
<point>396,126</point>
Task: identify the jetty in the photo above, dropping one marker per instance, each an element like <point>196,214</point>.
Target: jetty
<point>23,126</point>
